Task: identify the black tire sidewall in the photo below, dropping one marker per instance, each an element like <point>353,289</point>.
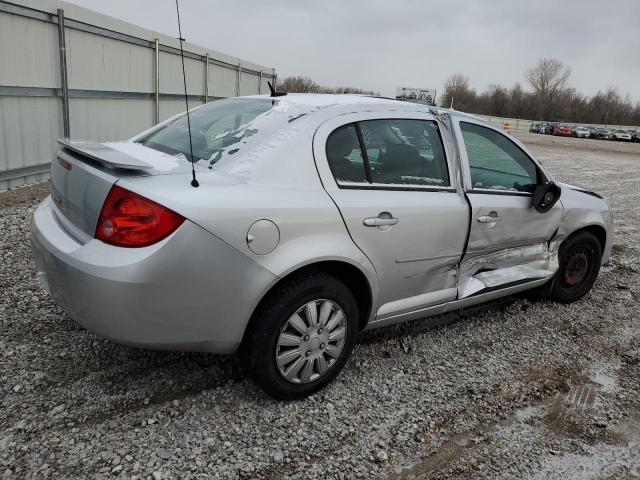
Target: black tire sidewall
<point>559,292</point>
<point>276,311</point>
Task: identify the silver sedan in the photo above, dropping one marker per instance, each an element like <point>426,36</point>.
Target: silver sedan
<point>316,217</point>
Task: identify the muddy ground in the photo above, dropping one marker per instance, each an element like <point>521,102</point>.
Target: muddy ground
<point>521,388</point>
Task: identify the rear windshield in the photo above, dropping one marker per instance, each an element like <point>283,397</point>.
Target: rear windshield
<point>214,127</point>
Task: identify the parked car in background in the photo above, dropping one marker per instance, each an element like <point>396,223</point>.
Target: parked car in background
<point>563,130</point>
<point>539,127</point>
<point>621,135</point>
<point>602,134</point>
<point>635,136</point>
<point>581,132</point>
<point>592,131</point>
<point>552,127</point>
<point>535,127</point>
<point>316,217</point>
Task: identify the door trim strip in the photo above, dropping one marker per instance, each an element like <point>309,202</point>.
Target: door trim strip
<point>424,259</point>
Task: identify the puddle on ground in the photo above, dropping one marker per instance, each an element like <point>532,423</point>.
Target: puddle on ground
<point>605,374</point>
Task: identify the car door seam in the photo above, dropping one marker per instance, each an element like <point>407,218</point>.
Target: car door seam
<point>344,222</point>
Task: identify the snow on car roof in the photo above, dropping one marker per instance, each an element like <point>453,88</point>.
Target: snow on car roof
<point>327,99</point>
<point>323,101</point>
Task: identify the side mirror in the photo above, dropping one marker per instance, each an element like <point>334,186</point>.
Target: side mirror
<point>545,197</point>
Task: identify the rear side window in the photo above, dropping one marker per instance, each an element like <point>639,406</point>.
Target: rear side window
<point>345,156</point>
<point>405,152</point>
<point>495,162</point>
<point>388,152</point>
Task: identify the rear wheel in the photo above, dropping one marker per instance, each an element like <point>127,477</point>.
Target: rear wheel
<point>580,256</point>
<point>302,336</point>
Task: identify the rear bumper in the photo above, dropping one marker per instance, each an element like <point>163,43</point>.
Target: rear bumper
<point>190,291</point>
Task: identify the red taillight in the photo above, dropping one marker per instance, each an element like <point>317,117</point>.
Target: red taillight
<point>129,220</point>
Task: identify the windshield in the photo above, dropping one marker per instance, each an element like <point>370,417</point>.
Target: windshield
<point>214,127</point>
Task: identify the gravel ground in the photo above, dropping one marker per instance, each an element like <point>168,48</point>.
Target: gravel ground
<point>519,389</point>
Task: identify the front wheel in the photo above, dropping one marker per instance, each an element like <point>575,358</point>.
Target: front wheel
<point>579,257</point>
<point>302,336</point>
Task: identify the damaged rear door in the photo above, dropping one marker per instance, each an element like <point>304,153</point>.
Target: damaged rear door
<point>509,241</point>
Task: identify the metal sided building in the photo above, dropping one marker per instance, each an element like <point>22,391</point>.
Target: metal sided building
<point>69,71</point>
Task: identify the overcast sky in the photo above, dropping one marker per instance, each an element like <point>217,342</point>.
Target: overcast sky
<point>378,45</point>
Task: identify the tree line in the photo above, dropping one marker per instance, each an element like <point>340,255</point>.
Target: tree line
<point>301,84</point>
<point>551,98</point>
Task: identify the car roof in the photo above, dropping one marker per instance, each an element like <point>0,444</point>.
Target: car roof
<point>365,102</point>
<point>329,100</point>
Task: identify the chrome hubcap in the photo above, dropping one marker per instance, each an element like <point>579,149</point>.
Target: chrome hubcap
<point>311,341</point>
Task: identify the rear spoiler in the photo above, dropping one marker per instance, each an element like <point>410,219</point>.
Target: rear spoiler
<point>107,156</point>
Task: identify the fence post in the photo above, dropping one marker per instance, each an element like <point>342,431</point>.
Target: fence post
<point>260,83</point>
<point>238,79</point>
<point>274,78</point>
<point>64,87</point>
<point>157,82</point>
<point>206,78</point>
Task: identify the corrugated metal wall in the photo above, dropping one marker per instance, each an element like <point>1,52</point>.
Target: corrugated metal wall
<point>111,79</point>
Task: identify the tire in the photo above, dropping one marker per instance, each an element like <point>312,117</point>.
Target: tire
<point>579,257</point>
<point>330,297</point>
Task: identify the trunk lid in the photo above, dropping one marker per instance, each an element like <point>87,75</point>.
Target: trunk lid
<point>83,172</point>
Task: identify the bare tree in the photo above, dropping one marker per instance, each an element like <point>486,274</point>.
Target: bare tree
<point>458,89</point>
<point>300,84</point>
<point>548,77</point>
<point>518,101</point>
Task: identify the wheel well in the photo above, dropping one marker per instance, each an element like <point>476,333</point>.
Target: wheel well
<point>352,277</point>
<point>597,231</point>
<point>355,281</point>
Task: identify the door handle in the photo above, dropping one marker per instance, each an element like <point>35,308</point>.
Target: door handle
<point>382,220</point>
<point>491,218</point>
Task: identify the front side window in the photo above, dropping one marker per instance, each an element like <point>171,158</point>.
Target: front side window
<point>405,152</point>
<point>495,162</point>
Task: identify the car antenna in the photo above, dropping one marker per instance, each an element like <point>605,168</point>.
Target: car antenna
<point>194,181</point>
<point>273,90</point>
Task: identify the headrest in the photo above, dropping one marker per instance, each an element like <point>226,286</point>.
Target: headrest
<point>401,157</point>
